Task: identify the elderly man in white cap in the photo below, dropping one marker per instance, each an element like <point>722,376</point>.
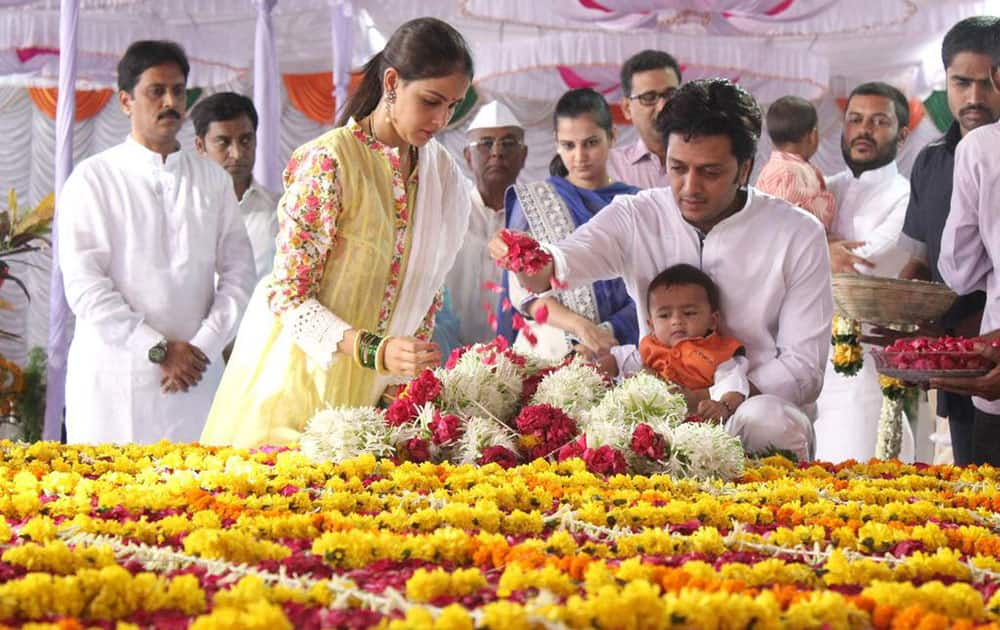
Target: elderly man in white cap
<point>495,154</point>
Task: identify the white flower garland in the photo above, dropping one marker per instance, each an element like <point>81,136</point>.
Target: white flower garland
<point>641,398</point>
<point>472,385</point>
<point>705,451</point>
<point>480,433</point>
<point>346,433</point>
<point>574,389</point>
<point>890,428</point>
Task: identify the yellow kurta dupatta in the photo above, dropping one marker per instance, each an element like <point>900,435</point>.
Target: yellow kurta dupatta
<point>385,265</point>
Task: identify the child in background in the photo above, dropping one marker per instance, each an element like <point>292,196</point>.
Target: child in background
<point>788,175</point>
<point>685,347</point>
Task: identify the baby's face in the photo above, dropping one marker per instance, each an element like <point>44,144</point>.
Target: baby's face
<point>680,312</point>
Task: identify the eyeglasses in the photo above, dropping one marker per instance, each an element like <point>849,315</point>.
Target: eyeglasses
<point>652,96</point>
<point>485,145</point>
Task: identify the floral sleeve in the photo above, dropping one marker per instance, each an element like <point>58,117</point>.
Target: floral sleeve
<point>307,218</point>
<point>307,229</point>
<point>426,328</point>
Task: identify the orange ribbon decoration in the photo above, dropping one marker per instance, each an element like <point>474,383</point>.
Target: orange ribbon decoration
<point>88,102</point>
<point>312,94</point>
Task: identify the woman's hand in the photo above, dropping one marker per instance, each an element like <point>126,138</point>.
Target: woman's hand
<point>408,356</point>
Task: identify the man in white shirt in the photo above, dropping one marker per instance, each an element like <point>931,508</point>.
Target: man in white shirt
<point>496,153</point>
<point>769,258</point>
<point>144,229</point>
<point>871,195</point>
<point>225,127</point>
<point>648,79</point>
<point>970,252</point>
<point>871,199</point>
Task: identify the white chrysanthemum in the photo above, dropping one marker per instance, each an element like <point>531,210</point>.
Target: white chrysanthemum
<point>641,398</point>
<point>535,363</point>
<point>479,433</point>
<point>574,389</point>
<point>347,432</point>
<point>601,432</point>
<point>705,451</point>
<point>473,388</point>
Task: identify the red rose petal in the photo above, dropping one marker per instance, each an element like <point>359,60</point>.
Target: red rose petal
<point>493,286</point>
<point>542,314</point>
<point>518,322</point>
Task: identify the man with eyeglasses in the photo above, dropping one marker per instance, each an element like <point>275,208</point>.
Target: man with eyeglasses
<point>495,154</point>
<point>648,80</point>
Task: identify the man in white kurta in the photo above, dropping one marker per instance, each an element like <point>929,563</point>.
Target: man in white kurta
<point>495,155</point>
<point>225,127</point>
<point>144,228</point>
<point>768,258</point>
<point>259,210</point>
<point>871,199</point>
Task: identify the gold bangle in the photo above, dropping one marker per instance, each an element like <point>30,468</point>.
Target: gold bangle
<point>380,356</point>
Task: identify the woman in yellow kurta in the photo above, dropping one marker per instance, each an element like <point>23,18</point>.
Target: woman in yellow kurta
<point>370,223</point>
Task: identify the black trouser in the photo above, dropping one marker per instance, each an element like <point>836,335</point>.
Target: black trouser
<point>961,416</point>
<point>986,439</point>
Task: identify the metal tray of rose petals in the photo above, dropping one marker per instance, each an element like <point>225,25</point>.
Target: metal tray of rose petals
<point>918,367</point>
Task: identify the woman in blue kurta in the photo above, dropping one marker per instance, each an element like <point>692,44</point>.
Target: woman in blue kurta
<point>596,316</point>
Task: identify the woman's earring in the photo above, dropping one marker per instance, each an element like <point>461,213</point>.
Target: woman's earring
<point>390,100</point>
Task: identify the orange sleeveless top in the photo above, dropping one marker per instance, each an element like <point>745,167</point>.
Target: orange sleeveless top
<point>692,362</point>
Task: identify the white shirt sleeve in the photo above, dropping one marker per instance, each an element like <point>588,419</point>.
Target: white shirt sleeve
<point>598,249</point>
<point>629,361</point>
<point>804,322</point>
<point>85,252</point>
<point>882,244</point>
<point>234,266</point>
<point>964,262</point>
<point>731,376</point>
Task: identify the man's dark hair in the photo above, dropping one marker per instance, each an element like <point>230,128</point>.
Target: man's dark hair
<point>680,275</point>
<point>790,119</point>
<point>220,108</point>
<point>878,88</point>
<point>643,62</point>
<point>145,54</point>
<point>713,107</point>
<point>979,34</point>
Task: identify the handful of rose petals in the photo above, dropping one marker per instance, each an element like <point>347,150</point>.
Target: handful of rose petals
<point>524,254</point>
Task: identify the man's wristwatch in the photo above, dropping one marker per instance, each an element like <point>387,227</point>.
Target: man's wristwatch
<point>158,353</point>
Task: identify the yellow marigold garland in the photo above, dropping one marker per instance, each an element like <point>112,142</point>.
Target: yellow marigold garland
<point>847,353</point>
<point>847,546</point>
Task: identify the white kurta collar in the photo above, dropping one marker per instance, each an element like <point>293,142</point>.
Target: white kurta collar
<point>748,210</point>
<point>878,175</point>
<point>252,190</point>
<point>147,157</point>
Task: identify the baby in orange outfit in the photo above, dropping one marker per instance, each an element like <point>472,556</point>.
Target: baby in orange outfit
<point>684,346</point>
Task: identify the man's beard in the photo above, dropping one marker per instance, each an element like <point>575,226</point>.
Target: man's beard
<point>884,156</point>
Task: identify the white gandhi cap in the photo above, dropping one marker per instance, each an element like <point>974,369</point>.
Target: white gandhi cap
<point>493,115</point>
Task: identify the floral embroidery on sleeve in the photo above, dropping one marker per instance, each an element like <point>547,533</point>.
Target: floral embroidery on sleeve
<point>426,329</point>
<point>307,216</point>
